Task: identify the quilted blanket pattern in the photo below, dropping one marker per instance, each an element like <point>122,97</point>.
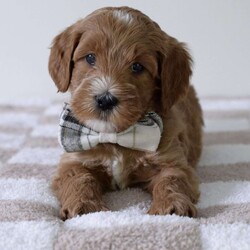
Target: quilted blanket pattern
<point>29,153</point>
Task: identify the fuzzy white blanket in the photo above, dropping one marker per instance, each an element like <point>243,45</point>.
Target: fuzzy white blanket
<point>29,219</point>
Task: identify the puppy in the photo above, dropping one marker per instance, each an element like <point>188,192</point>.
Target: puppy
<point>119,65</point>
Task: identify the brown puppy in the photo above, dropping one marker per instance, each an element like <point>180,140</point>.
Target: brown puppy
<point>122,53</point>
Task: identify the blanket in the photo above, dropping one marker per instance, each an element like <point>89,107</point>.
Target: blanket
<point>29,153</point>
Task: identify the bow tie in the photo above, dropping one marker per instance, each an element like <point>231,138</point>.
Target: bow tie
<point>144,135</point>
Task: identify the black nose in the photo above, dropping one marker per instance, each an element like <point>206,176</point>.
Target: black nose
<point>106,101</point>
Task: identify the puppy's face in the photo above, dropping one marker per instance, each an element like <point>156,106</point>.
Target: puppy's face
<point>118,65</point>
<point>114,74</point>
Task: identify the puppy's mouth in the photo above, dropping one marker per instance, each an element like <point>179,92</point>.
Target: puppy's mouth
<point>102,126</point>
<point>110,117</point>
<point>105,104</point>
<point>107,110</point>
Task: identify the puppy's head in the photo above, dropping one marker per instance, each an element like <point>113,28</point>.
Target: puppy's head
<point>118,64</point>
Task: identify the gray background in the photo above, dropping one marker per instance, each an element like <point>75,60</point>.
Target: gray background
<point>217,33</point>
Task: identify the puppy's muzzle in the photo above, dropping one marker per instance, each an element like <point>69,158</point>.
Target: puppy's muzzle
<point>106,101</point>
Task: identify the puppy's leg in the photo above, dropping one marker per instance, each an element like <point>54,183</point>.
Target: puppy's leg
<point>174,190</point>
<point>78,189</point>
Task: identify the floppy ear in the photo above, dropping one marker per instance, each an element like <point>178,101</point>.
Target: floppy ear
<point>175,73</point>
<point>60,60</point>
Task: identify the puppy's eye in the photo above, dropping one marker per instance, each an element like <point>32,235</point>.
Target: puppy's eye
<point>137,67</point>
<point>90,58</point>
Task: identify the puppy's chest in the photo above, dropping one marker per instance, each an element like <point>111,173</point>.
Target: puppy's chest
<point>117,171</point>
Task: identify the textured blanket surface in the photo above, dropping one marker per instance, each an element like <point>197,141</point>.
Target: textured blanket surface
<point>29,153</point>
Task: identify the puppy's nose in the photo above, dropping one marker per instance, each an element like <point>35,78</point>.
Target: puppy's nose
<point>106,101</point>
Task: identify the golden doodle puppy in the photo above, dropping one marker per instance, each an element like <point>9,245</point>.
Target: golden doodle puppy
<point>133,117</point>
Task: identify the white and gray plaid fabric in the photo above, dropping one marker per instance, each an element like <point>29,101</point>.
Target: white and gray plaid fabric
<point>143,135</point>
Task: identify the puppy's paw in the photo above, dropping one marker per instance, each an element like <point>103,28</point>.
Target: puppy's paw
<point>69,211</point>
<point>178,204</point>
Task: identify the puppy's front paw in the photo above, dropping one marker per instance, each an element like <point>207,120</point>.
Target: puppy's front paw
<point>69,211</point>
<point>178,204</point>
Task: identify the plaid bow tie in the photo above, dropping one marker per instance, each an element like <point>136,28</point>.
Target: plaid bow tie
<point>143,135</point>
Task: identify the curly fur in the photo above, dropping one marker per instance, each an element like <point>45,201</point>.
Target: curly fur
<point>118,37</point>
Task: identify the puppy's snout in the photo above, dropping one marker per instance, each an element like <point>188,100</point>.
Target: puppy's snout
<point>106,101</point>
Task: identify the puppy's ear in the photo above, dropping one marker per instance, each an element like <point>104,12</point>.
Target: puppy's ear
<point>60,60</point>
<point>175,73</point>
